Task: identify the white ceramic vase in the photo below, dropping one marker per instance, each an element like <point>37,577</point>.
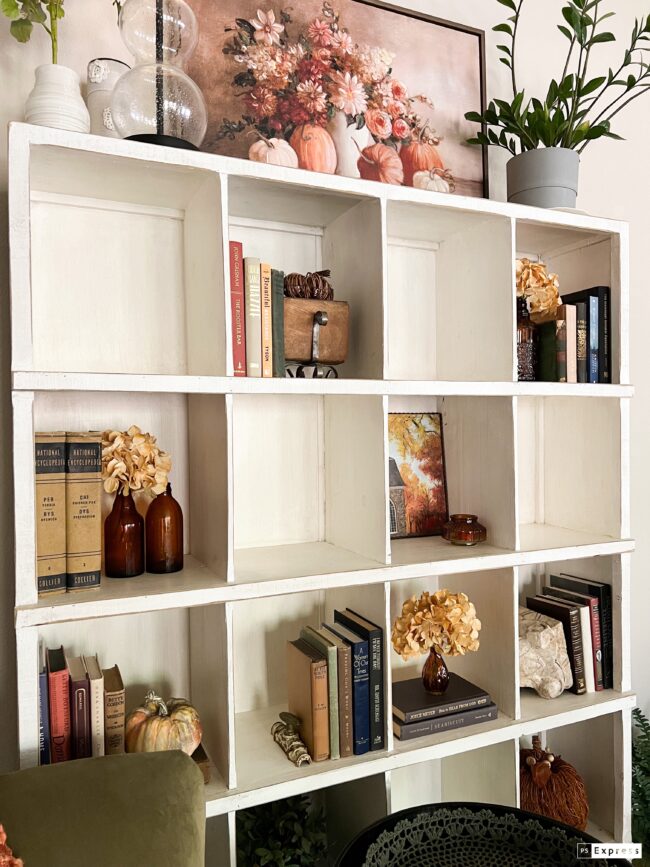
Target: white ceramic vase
<point>56,100</point>
<point>348,140</point>
<point>103,75</point>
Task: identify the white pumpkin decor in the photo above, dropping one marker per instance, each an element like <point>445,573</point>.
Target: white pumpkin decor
<point>435,180</point>
<point>274,151</point>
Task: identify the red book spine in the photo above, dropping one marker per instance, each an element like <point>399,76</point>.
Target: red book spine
<point>596,642</point>
<point>60,728</point>
<point>238,311</point>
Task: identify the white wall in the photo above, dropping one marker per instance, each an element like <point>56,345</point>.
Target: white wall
<point>615,182</point>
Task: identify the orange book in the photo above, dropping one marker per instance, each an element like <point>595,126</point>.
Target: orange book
<point>58,681</point>
<point>308,696</point>
<point>267,321</point>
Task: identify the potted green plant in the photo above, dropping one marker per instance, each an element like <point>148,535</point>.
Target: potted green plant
<point>56,97</point>
<point>285,833</point>
<point>546,135</point>
<point>641,780</point>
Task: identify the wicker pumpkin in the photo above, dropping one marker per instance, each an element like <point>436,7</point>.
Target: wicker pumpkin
<point>159,725</point>
<point>552,787</point>
<point>315,148</point>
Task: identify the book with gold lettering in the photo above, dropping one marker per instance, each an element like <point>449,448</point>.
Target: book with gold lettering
<point>83,490</point>
<point>49,456</point>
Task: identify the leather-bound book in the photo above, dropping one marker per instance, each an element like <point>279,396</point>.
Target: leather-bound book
<point>307,696</point>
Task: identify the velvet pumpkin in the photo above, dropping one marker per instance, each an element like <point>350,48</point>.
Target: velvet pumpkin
<point>315,148</point>
<point>379,162</point>
<point>159,726</point>
<point>274,151</point>
<point>419,156</point>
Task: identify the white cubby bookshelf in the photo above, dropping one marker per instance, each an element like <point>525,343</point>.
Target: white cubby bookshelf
<point>121,315</point>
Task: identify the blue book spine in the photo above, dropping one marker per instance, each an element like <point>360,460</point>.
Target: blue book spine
<point>593,338</point>
<point>361,698</point>
<point>43,720</point>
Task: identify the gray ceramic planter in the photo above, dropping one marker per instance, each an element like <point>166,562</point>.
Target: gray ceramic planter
<point>545,178</point>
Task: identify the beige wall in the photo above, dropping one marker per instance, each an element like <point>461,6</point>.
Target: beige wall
<point>615,182</point>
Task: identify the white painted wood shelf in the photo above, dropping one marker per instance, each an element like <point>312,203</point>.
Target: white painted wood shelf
<point>283,482</point>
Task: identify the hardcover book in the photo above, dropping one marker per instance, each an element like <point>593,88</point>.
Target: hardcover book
<point>49,457</point>
<point>114,711</point>
<point>252,286</point>
<point>600,329</point>
<point>83,491</point>
<point>602,592</point>
<point>566,343</point>
<point>374,635</point>
<point>569,617</point>
<point>58,686</point>
<point>594,340</point>
<point>328,650</point>
<point>408,731</point>
<point>585,632</point>
<point>79,708</point>
<point>591,602</point>
<point>237,309</point>
<point>344,662</point>
<point>413,703</point>
<point>96,684</point>
<point>360,686</point>
<point>267,321</point>
<point>582,341</point>
<point>277,307</point>
<point>307,696</point>
<point>561,346</point>
<point>547,352</point>
<point>43,720</point>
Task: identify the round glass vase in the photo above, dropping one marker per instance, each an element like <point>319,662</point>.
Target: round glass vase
<point>464,530</point>
<point>164,534</point>
<point>435,674</point>
<point>124,539</point>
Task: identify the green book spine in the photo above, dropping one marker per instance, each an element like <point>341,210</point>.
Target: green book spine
<point>547,352</point>
<point>330,653</point>
<point>277,292</point>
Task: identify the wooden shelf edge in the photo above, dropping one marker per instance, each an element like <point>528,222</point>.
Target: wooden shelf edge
<point>502,730</point>
<point>185,384</point>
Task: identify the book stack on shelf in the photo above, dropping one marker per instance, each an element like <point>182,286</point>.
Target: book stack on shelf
<point>257,305</point>
<point>335,686</point>
<point>82,710</point>
<point>584,608</point>
<point>576,346</point>
<point>417,713</point>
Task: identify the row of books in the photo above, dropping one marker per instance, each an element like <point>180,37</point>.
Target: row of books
<point>417,713</point>
<point>576,347</point>
<point>584,608</point>
<point>68,469</point>
<point>81,708</point>
<point>335,686</point>
<point>257,309</point>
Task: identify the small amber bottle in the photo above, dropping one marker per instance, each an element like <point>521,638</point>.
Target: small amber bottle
<point>526,343</point>
<point>164,534</point>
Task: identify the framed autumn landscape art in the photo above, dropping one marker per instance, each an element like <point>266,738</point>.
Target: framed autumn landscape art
<point>351,87</point>
<point>416,474</point>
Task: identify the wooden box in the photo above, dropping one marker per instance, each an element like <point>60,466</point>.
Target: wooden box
<point>298,327</point>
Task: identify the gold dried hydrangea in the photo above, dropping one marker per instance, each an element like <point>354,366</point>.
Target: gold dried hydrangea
<point>443,620</point>
<point>541,289</point>
<point>132,461</point>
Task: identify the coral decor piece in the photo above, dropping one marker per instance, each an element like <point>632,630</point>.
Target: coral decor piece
<point>6,856</point>
<point>444,620</point>
<point>552,787</point>
<point>540,289</point>
<point>133,461</point>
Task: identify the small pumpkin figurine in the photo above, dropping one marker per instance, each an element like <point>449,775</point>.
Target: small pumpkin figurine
<point>159,726</point>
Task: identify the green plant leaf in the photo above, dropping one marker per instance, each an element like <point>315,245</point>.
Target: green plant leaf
<point>565,31</point>
<point>505,49</point>
<point>506,62</point>
<point>10,8</point>
<point>602,37</point>
<point>503,28</point>
<point>474,116</point>
<point>21,29</point>
<point>592,85</point>
<point>509,3</point>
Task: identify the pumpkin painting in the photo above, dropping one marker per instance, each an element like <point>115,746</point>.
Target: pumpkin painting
<point>159,726</point>
<point>274,151</point>
<point>419,156</point>
<point>380,162</point>
<point>315,148</point>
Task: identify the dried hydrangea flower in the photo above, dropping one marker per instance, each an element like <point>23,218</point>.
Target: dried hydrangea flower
<point>539,288</point>
<point>133,461</point>
<point>443,620</point>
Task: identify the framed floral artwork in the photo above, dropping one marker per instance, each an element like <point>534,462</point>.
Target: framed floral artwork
<point>350,87</point>
<point>416,474</point>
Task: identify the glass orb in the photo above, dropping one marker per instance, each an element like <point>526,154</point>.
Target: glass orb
<point>179,29</point>
<point>159,99</point>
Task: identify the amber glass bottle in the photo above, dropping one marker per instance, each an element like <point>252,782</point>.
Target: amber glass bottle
<point>526,343</point>
<point>164,534</point>
<point>124,539</point>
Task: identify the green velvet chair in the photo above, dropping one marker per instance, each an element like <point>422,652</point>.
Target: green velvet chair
<point>138,810</point>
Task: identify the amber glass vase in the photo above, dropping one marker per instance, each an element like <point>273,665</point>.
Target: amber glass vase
<point>164,534</point>
<point>124,539</point>
<point>435,675</point>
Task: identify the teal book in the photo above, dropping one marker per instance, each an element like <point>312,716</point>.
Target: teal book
<point>329,651</point>
<point>277,306</point>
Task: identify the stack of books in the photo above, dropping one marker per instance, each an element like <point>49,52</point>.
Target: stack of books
<point>81,708</point>
<point>584,608</point>
<point>576,347</point>
<point>335,686</point>
<point>68,470</point>
<point>257,311</point>
<point>417,713</point>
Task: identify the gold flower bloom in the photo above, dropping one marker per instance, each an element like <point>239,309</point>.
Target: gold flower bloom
<point>541,289</point>
<point>133,461</point>
<point>443,620</point>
